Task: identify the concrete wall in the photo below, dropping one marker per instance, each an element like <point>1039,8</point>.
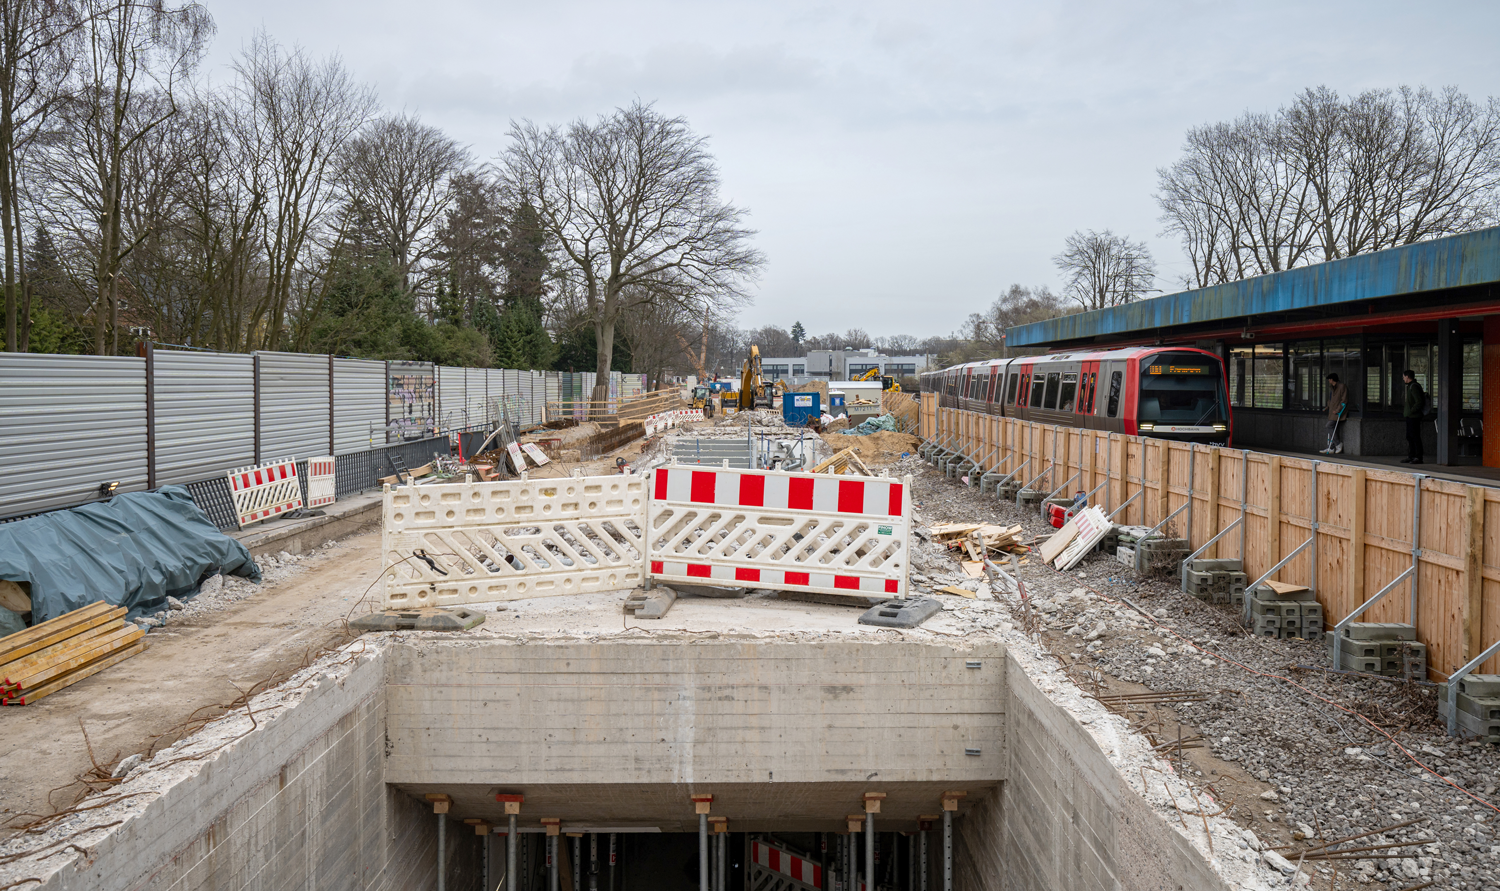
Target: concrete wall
<point>778,730</point>
<point>299,802</point>
<point>1065,818</point>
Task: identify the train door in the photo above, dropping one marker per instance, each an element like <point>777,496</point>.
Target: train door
<point>1088,386</point>
<point>996,388</point>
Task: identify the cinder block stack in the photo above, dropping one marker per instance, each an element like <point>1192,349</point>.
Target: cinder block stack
<point>1478,706</point>
<point>1284,616</point>
<point>1216,581</point>
<point>1030,497</point>
<point>1385,648</point>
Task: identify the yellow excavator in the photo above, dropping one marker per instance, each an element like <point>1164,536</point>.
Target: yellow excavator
<point>887,383</point>
<point>753,390</point>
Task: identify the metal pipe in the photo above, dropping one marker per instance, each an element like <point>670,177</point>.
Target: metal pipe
<point>612,861</point>
<point>485,867</point>
<point>1125,504</point>
<point>703,852</point>
<point>870,850</point>
<point>510,854</point>
<point>1152,531</point>
<point>1063,486</point>
<point>554,873</point>
<point>593,861</point>
<point>723,861</point>
<point>947,850</point>
<point>851,852</point>
<point>1338,630</point>
<point>1274,569</point>
<point>1459,675</point>
<point>442,868</point>
<point>577,863</point>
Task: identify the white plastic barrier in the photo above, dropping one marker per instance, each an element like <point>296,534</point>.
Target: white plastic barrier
<point>512,539</point>
<point>788,531</point>
<point>265,490</point>
<point>321,484</point>
<point>773,868</point>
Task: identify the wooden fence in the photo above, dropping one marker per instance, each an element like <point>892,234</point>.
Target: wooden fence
<point>612,412</point>
<point>1363,519</point>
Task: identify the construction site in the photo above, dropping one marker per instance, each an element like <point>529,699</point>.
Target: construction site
<point>417,627</point>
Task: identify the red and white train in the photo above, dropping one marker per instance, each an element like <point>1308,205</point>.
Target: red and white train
<point>1169,392</point>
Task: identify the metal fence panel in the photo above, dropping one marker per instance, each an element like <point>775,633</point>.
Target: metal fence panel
<point>477,385</point>
<point>451,397</point>
<point>358,405</point>
<point>293,405</point>
<point>67,424</point>
<point>205,414</point>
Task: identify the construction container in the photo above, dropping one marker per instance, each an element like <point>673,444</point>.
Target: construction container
<point>797,408</point>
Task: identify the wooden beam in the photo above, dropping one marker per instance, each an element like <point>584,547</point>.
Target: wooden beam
<point>1473,551</point>
<point>1273,514</point>
<point>1355,568</point>
<point>1211,527</point>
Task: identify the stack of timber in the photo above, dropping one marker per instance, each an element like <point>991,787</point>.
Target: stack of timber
<point>975,541</point>
<point>59,652</point>
<point>845,462</point>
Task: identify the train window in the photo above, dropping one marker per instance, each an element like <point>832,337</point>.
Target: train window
<point>1037,385</point>
<point>1053,378</point>
<point>1069,392</point>
<point>1114,393</point>
<point>1088,405</point>
<point>1010,388</point>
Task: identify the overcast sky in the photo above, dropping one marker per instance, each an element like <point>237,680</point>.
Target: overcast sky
<point>903,162</point>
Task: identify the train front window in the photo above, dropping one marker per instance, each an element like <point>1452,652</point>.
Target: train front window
<point>1182,390</point>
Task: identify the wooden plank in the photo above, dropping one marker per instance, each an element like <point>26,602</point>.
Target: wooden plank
<point>1059,541</point>
<point>103,645</point>
<point>74,677</point>
<point>1472,605</point>
<point>14,672</point>
<point>1355,566</point>
<point>1273,512</point>
<point>1163,479</point>
<point>11,642</point>
<point>81,624</point>
<point>1284,587</point>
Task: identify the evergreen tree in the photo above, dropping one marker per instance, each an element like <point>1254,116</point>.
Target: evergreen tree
<point>799,333</point>
<point>523,256</point>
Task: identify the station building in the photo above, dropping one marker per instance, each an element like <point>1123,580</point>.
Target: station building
<point>1432,307</point>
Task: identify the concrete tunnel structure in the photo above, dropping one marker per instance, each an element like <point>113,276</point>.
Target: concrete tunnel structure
<point>328,787</point>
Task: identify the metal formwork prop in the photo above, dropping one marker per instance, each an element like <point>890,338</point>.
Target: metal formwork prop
<point>790,531</point>
<point>457,543</point>
<point>265,491</point>
<point>320,481</point>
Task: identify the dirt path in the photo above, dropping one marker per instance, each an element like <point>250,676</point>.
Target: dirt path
<point>190,665</point>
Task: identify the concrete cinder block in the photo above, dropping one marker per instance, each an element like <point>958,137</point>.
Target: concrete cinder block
<point>1379,631</point>
<point>1483,685</point>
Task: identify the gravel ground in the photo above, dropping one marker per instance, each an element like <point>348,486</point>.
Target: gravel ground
<point>223,591</point>
<point>1292,753</point>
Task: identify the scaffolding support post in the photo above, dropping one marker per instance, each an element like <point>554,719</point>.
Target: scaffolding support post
<point>440,805</point>
<point>950,805</point>
<point>554,832</point>
<point>872,807</point>
<point>701,804</point>
<point>512,805</point>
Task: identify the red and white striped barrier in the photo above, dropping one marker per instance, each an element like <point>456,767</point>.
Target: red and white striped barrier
<point>265,490</point>
<point>790,531</point>
<point>321,486</point>
<point>791,866</point>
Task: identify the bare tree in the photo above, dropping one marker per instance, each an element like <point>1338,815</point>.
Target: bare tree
<point>35,61</point>
<point>1019,305</point>
<point>632,203</point>
<point>399,168</point>
<point>297,115</point>
<point>1329,177</point>
<point>1102,269</point>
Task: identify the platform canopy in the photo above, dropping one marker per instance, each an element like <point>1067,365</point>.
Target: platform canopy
<point>1443,278</point>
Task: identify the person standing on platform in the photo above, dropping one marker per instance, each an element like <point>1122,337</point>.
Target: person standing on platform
<point>1338,405</point>
<point>1412,409</point>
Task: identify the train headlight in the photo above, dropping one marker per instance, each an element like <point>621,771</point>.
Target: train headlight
<point>1220,428</point>
<point>1146,426</point>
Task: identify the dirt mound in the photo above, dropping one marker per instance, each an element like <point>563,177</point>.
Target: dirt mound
<point>877,449</point>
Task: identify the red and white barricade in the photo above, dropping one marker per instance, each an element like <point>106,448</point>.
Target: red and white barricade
<point>774,869</point>
<point>265,490</point>
<point>321,486</point>
<point>787,531</point>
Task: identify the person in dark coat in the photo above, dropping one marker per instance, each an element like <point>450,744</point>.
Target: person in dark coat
<point>1412,409</point>
<point>1338,407</point>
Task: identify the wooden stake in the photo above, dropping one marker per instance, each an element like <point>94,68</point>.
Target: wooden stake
<point>1355,570</point>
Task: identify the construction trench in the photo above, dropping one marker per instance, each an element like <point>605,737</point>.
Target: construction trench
<point>742,742</point>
